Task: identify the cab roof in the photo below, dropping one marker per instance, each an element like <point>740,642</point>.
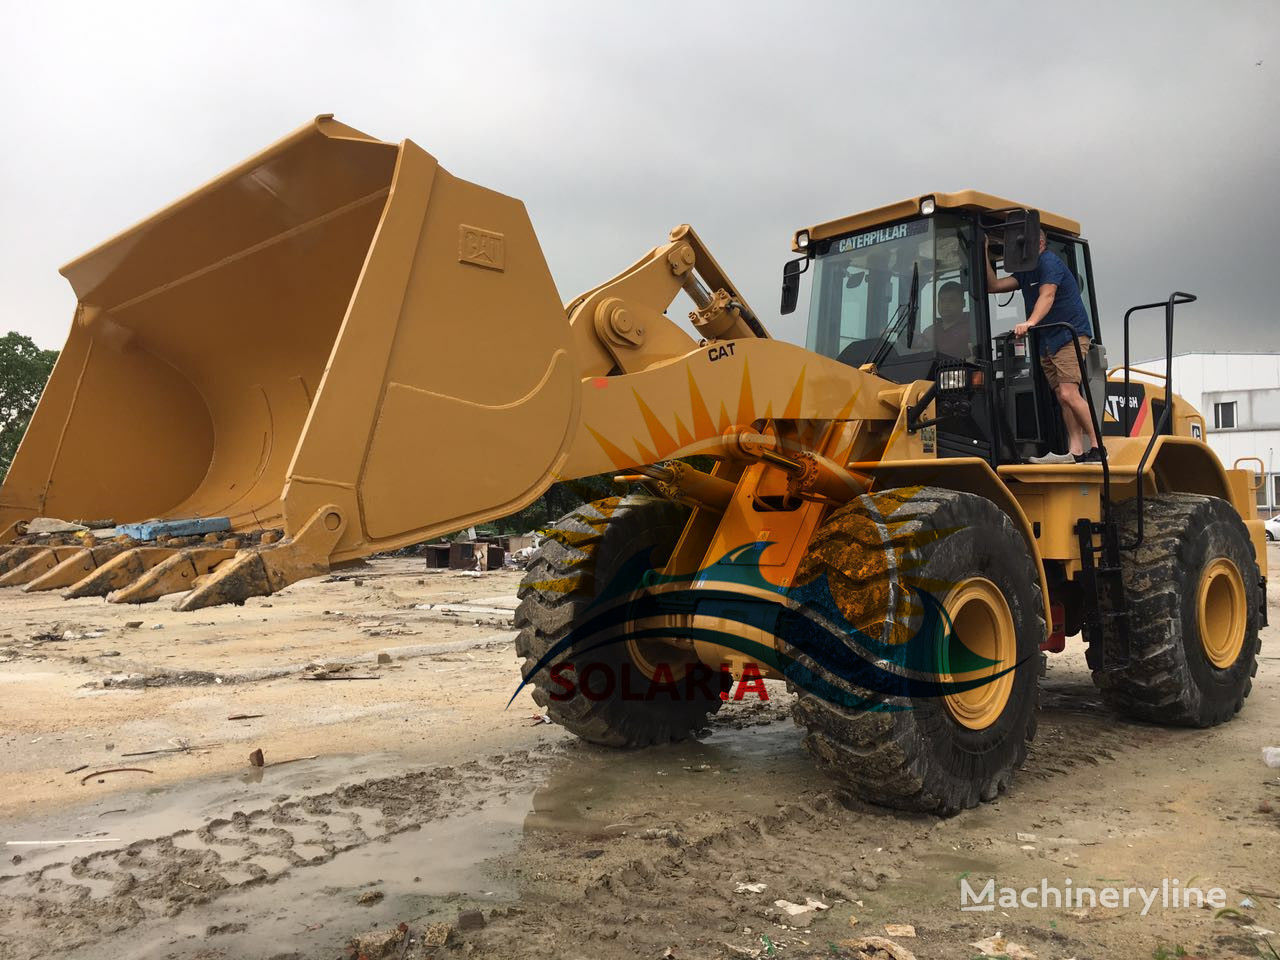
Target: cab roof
<point>960,200</point>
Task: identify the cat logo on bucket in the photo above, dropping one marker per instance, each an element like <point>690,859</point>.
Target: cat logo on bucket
<point>484,248</point>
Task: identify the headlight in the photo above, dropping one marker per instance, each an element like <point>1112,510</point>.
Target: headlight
<point>802,240</point>
<point>927,206</point>
<point>956,378</point>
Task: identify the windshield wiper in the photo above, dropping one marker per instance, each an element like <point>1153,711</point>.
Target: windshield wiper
<point>904,314</point>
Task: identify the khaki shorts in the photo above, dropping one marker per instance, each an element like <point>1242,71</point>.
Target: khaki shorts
<point>1061,367</point>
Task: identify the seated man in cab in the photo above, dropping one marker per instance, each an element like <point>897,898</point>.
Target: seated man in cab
<point>1050,294</point>
<point>952,331</point>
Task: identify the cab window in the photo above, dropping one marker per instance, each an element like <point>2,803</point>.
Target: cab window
<point>862,286</point>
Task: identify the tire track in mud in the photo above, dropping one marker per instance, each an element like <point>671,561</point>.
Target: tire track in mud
<point>87,898</point>
<point>648,889</point>
<point>692,896</point>
<point>676,885</point>
<point>1075,729</point>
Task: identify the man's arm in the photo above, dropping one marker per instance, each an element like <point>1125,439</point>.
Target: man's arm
<point>996,284</point>
<point>1044,302</point>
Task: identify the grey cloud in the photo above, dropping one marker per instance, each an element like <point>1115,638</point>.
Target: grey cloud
<point>1152,124</point>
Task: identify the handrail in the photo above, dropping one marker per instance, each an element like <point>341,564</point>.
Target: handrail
<point>1260,474</point>
<point>1175,298</point>
<point>1142,370</point>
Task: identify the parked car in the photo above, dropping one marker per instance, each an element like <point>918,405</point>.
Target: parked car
<point>1273,528</point>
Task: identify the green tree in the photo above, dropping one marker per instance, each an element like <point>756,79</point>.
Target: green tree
<point>24,368</point>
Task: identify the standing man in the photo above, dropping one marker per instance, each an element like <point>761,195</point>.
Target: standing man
<point>1051,295</point>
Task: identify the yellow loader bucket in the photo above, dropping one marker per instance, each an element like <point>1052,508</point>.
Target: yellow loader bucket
<point>337,339</point>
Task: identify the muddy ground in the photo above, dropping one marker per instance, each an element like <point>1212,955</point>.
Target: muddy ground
<point>430,805</point>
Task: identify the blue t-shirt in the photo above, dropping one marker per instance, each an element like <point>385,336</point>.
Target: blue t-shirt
<point>1067,307</point>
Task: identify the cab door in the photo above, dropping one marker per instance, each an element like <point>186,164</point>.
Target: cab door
<point>956,282</point>
<point>1029,416</point>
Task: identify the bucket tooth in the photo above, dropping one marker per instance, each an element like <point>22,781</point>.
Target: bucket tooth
<point>119,571</point>
<point>175,574</point>
<point>15,557</point>
<point>36,559</point>
<point>37,564</point>
<point>262,570</point>
<point>76,567</point>
<point>256,572</point>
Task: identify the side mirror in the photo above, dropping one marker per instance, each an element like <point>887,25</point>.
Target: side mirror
<point>791,271</point>
<point>1021,240</point>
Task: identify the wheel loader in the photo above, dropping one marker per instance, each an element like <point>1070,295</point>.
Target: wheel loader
<point>338,348</point>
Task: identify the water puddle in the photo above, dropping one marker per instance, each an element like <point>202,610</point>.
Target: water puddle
<point>310,869</point>
<point>738,769</point>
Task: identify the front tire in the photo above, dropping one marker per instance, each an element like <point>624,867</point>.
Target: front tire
<point>607,697</point>
<point>1194,598</point>
<point>922,751</point>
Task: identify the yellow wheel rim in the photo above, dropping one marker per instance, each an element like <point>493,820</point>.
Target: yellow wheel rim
<point>981,624</point>
<point>1220,608</point>
<point>649,654</point>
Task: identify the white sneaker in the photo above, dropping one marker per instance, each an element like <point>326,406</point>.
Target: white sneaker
<point>1053,458</point>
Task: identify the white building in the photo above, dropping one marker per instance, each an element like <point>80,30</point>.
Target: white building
<point>1239,396</point>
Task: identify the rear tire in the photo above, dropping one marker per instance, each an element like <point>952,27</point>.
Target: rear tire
<point>1194,568</point>
<point>925,752</point>
<point>592,549</point>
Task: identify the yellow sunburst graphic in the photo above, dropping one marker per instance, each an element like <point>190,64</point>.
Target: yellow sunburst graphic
<point>663,441</point>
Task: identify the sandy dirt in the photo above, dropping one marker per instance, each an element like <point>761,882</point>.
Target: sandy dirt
<point>436,822</point>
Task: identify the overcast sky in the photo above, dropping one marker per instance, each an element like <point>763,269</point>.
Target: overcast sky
<point>1154,125</point>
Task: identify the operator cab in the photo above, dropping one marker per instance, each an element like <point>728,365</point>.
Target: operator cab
<point>903,288</point>
<point>878,297</point>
